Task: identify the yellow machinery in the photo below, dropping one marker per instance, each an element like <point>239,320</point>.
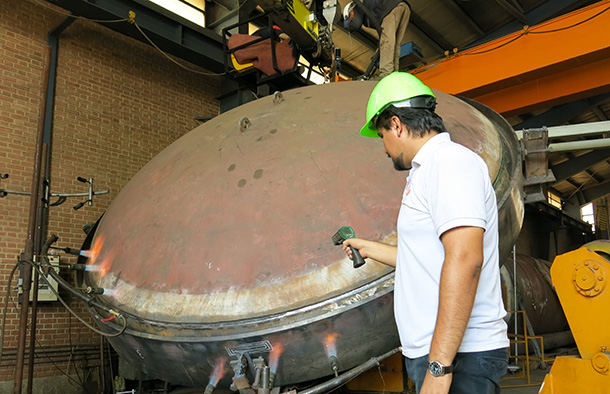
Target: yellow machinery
<point>581,280</point>
<point>311,30</point>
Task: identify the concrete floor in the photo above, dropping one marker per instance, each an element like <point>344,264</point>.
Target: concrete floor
<point>536,377</point>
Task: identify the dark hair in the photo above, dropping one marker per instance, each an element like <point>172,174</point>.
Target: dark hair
<point>419,121</point>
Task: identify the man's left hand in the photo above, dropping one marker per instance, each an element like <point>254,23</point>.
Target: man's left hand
<point>436,385</point>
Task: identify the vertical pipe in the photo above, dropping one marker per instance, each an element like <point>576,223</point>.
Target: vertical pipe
<point>102,383</point>
<point>38,241</point>
<point>33,320</point>
<point>515,296</point>
<point>29,243</point>
<point>53,42</point>
<point>110,367</point>
<point>43,158</point>
<point>607,235</point>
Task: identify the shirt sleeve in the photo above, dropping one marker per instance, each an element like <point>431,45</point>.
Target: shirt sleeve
<point>456,190</point>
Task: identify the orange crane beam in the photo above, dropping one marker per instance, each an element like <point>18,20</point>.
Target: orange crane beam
<point>558,61</point>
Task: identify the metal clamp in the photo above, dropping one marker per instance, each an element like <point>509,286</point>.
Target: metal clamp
<point>278,97</point>
<point>3,193</point>
<point>61,197</point>
<point>589,278</point>
<point>244,123</point>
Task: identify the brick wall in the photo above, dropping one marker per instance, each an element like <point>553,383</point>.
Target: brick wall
<point>118,103</point>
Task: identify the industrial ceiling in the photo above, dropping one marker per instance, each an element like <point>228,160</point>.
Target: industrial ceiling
<point>440,28</point>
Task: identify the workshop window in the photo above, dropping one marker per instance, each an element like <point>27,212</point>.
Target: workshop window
<point>586,214</point>
<point>553,200</point>
<point>192,10</point>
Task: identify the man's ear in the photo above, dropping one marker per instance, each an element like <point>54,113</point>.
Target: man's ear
<point>397,125</point>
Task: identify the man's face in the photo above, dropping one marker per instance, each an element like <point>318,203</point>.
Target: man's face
<point>393,146</point>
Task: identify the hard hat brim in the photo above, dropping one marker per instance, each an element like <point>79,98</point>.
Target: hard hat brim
<point>369,131</point>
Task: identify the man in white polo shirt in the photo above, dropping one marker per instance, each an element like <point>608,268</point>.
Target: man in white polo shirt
<point>447,296</point>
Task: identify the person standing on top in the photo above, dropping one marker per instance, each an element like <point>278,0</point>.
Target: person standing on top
<point>390,18</point>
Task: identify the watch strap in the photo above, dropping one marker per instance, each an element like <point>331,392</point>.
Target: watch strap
<point>436,368</point>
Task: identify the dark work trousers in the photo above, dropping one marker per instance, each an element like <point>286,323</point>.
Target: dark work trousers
<point>393,29</point>
<point>473,373</point>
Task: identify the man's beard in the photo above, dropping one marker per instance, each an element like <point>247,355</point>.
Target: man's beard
<point>399,163</point>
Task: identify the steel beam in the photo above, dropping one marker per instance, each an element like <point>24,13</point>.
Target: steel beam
<point>349,70</point>
<point>419,32</point>
<point>463,16</point>
<point>513,11</point>
<point>595,192</point>
<point>543,12</point>
<point>578,164</point>
<point>361,37</point>
<point>417,23</point>
<point>562,113</point>
<point>560,217</point>
<point>529,70</point>
<point>170,32</point>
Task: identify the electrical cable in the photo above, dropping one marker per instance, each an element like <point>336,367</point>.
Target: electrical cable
<point>71,347</point>
<point>110,364</point>
<point>79,382</point>
<point>381,376</point>
<point>4,312</point>
<point>574,25</point>
<point>28,327</point>
<point>525,31</point>
<point>88,300</point>
<point>132,20</point>
<point>83,298</point>
<point>591,176</point>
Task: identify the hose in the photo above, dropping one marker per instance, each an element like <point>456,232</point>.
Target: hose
<point>4,312</point>
<point>349,375</point>
<point>90,301</point>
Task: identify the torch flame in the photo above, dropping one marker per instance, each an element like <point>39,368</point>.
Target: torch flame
<point>94,255</point>
<point>330,344</point>
<point>94,252</point>
<point>274,357</point>
<point>219,370</point>
<point>106,264</point>
<point>110,292</point>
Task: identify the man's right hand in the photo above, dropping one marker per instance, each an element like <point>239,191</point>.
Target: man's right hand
<point>381,252</point>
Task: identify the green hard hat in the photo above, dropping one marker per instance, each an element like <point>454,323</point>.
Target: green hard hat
<point>398,87</point>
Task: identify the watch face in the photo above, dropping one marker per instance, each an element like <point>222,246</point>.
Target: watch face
<point>435,368</point>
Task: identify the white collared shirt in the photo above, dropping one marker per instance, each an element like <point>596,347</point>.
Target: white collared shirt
<point>447,187</point>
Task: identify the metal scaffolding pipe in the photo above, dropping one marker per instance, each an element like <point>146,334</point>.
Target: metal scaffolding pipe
<point>349,375</point>
<point>580,145</point>
<point>29,243</point>
<point>590,128</point>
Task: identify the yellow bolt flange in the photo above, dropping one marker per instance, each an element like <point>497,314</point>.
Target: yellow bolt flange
<point>589,278</point>
<point>601,362</point>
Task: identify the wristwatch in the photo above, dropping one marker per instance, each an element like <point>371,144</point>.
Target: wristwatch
<point>437,369</point>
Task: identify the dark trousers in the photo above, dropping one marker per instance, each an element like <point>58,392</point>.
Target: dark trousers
<point>473,373</point>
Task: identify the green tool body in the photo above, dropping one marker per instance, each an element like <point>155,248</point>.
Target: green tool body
<point>341,235</point>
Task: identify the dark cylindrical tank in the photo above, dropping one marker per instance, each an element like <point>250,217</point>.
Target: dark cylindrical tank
<point>221,245</point>
<point>535,294</point>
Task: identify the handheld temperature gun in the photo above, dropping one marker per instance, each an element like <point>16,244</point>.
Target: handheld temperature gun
<point>345,233</point>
